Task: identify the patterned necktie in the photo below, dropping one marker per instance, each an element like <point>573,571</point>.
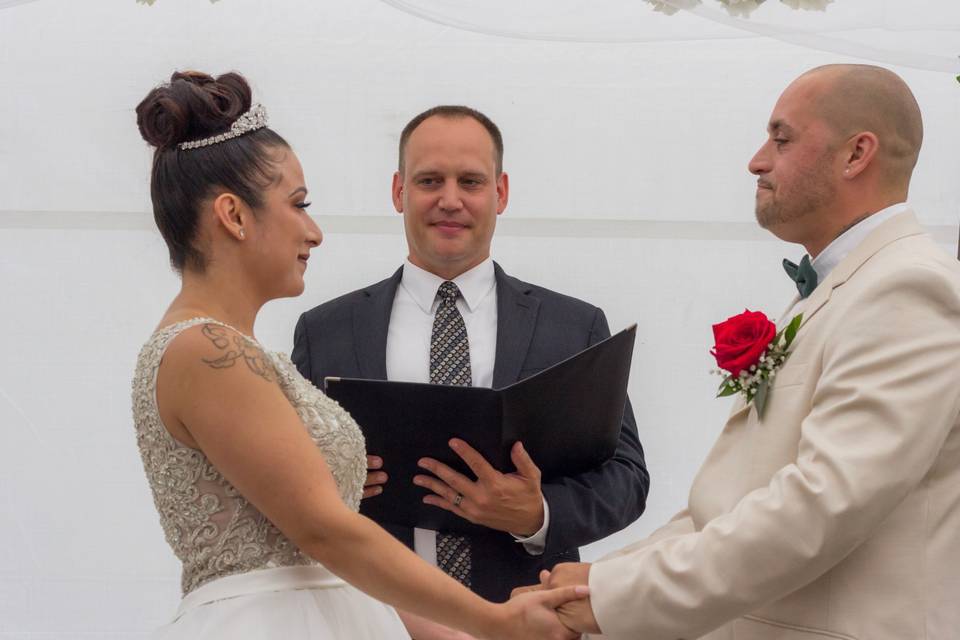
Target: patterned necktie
<point>803,274</point>
<point>450,364</point>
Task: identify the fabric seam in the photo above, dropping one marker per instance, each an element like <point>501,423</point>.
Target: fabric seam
<point>797,627</point>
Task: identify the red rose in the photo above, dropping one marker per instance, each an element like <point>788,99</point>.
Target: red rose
<point>741,340</point>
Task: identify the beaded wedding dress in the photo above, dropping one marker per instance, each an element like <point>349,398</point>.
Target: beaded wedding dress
<point>242,578</point>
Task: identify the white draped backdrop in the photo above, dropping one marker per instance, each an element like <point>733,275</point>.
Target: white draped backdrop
<point>627,137</point>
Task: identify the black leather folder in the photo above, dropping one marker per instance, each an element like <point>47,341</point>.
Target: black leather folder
<point>568,418</point>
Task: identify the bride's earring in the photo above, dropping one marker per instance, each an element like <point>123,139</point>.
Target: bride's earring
<point>242,234</point>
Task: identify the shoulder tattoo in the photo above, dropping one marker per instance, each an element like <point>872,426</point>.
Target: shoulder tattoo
<point>235,348</point>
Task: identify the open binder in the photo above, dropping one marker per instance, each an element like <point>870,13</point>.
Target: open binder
<point>567,416</point>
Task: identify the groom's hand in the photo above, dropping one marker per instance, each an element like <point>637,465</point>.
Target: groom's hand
<point>373,486</point>
<point>534,615</point>
<point>519,590</point>
<point>576,614</point>
<point>509,502</point>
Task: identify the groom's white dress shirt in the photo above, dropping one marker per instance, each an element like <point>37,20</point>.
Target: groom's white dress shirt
<point>847,241</point>
<point>408,351</point>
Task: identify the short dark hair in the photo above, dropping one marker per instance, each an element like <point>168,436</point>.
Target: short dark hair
<point>455,112</point>
<point>193,106</point>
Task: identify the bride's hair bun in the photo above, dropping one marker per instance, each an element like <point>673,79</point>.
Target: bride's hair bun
<point>195,106</point>
<point>191,106</point>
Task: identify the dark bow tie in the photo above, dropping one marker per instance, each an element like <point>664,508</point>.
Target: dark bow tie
<point>803,274</point>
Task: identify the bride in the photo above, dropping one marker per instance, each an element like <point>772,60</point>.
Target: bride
<point>257,476</point>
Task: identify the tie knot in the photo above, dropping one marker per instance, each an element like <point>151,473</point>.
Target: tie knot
<point>448,292</point>
<point>803,274</point>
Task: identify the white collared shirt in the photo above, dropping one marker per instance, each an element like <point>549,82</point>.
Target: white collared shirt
<point>408,350</point>
<point>850,239</point>
<point>843,244</point>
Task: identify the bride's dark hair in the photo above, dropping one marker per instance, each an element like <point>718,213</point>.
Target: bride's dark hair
<point>193,106</point>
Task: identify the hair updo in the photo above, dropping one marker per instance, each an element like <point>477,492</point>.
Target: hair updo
<point>193,106</point>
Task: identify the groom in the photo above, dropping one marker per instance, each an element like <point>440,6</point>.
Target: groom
<point>836,515</point>
<point>450,298</point>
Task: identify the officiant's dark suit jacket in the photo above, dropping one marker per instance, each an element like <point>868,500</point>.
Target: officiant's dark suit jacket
<point>536,328</point>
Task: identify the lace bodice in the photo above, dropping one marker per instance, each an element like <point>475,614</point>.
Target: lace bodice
<point>212,529</point>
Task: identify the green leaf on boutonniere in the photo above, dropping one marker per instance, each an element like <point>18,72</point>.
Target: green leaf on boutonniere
<point>760,400</point>
<point>725,390</point>
<point>791,331</point>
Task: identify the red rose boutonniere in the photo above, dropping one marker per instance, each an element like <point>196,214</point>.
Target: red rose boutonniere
<point>749,351</point>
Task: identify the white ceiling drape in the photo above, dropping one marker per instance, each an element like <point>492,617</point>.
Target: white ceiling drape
<point>922,34</point>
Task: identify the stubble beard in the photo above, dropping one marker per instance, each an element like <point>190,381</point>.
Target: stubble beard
<point>811,192</point>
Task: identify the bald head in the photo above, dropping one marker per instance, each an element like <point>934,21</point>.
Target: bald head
<point>853,98</point>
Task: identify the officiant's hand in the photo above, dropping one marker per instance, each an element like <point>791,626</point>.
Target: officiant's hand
<point>373,486</point>
<point>576,614</point>
<point>509,502</point>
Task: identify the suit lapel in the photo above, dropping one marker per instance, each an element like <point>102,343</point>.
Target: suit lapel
<point>739,406</point>
<point>371,317</point>
<point>900,226</point>
<point>819,297</point>
<point>516,319</point>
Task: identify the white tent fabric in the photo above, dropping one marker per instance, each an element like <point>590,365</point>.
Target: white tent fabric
<point>627,158</point>
<point>920,34</point>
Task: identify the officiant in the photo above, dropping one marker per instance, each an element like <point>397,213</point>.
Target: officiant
<point>451,315</point>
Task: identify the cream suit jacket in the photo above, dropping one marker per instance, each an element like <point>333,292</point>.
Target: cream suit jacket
<point>838,514</point>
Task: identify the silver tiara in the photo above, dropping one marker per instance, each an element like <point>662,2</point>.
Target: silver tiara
<point>252,120</point>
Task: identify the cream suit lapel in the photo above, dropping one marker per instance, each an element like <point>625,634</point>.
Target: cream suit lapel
<point>815,301</point>
<point>900,226</point>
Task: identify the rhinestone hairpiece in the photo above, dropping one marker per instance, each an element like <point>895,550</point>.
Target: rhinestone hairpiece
<point>255,118</point>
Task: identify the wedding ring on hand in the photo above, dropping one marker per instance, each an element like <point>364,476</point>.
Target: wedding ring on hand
<point>458,500</point>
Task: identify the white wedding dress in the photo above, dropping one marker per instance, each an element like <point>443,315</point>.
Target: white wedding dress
<point>242,578</point>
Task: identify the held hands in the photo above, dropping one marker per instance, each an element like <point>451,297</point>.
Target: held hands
<point>533,615</point>
<point>575,614</point>
<point>509,502</point>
